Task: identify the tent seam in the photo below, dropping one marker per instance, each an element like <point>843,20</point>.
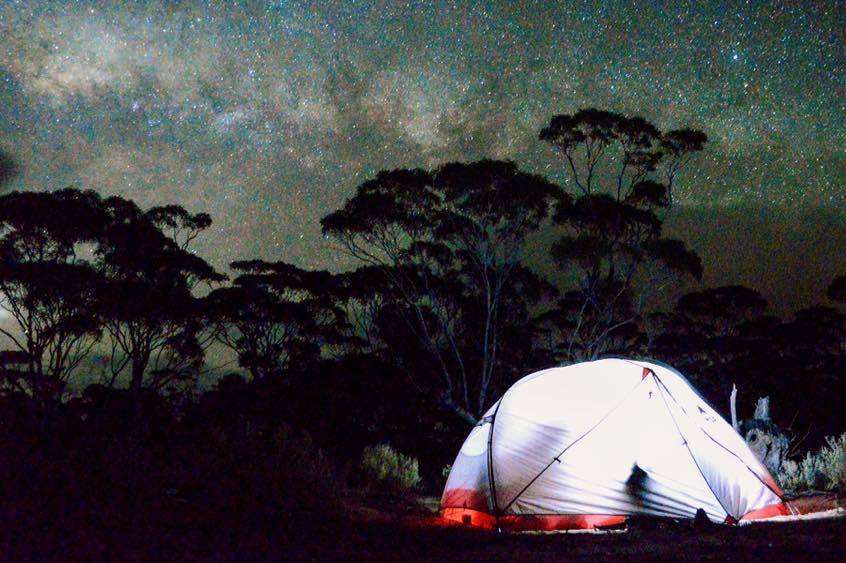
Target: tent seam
<point>659,384</point>
<point>491,480</point>
<point>758,477</point>
<point>573,443</point>
<point>746,465</point>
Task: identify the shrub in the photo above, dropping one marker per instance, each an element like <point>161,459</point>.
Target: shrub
<point>445,471</point>
<point>825,469</point>
<point>384,466</point>
<point>789,476</point>
<point>833,462</point>
<point>261,478</point>
<point>305,474</point>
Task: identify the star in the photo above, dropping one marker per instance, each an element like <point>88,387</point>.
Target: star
<point>267,115</point>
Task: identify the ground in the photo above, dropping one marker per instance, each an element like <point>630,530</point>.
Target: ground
<point>818,540</point>
<point>407,532</point>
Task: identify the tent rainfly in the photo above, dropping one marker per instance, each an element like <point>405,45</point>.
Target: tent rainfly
<point>587,445</point>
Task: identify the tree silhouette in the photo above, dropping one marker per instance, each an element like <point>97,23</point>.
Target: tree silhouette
<point>275,315</point>
<point>448,245</point>
<point>612,242</point>
<point>47,285</point>
<point>178,224</point>
<point>148,305</point>
<point>708,328</point>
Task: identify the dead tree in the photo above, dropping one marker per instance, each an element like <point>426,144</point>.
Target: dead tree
<point>763,436</point>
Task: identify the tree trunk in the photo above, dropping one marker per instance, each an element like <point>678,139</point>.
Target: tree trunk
<point>139,366</point>
<point>463,414</point>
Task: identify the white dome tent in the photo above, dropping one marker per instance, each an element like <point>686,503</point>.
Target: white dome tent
<point>586,445</point>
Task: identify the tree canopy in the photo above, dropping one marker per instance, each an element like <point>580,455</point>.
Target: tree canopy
<point>447,245</point>
<point>623,169</point>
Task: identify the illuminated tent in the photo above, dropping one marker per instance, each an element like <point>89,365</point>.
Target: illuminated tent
<point>586,445</point>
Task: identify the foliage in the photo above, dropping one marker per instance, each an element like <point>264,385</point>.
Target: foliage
<point>445,471</point>
<point>147,302</point>
<point>384,466</point>
<point>76,266</point>
<point>47,286</point>
<point>275,315</point>
<point>788,476</point>
<point>623,169</point>
<point>723,336</point>
<point>116,459</point>
<point>708,326</point>
<point>442,252</point>
<point>296,475</point>
<point>825,469</point>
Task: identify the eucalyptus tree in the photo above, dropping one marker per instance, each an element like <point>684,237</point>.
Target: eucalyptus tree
<point>48,285</point>
<point>149,303</point>
<point>448,246</point>
<point>707,329</point>
<point>621,172</point>
<point>277,317</point>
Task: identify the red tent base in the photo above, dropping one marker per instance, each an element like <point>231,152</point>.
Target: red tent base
<point>530,523</point>
<point>559,522</point>
<point>780,509</point>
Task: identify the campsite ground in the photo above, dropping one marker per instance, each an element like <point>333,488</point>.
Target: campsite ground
<point>178,533</point>
<point>818,540</point>
<point>409,535</point>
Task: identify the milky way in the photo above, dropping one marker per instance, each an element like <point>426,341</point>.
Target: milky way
<point>268,114</point>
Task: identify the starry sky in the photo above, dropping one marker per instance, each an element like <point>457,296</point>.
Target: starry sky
<point>268,114</point>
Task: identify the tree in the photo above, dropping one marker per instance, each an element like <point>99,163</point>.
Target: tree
<point>178,224</point>
<point>448,246</point>
<point>46,285</point>
<point>612,228</point>
<point>153,319</point>
<point>276,316</point>
<point>707,327</point>
<point>723,336</point>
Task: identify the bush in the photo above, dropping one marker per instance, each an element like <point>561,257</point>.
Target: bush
<point>789,477</point>
<point>276,477</point>
<point>383,466</point>
<point>305,474</point>
<point>825,469</point>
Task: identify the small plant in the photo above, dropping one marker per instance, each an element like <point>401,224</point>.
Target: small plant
<point>445,471</point>
<point>384,466</point>
<point>825,469</point>
<point>789,477</point>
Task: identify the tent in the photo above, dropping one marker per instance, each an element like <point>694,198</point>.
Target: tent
<point>587,445</point>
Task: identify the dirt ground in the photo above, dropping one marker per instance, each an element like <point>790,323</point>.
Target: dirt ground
<point>411,534</point>
<point>178,532</point>
<point>816,540</point>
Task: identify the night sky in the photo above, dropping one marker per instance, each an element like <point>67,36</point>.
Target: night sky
<point>268,114</point>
